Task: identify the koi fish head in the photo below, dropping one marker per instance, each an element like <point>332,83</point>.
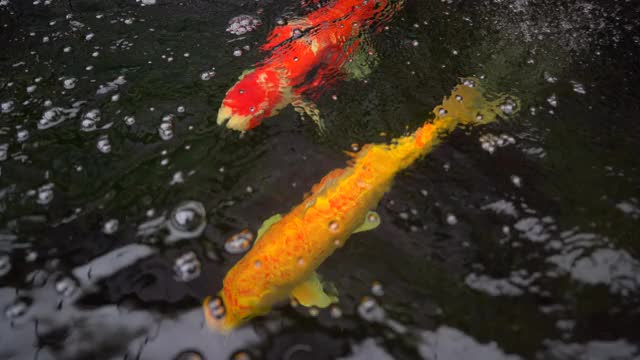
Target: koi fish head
<point>257,95</point>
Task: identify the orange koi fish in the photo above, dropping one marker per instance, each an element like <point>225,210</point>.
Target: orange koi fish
<point>307,53</point>
<point>289,248</point>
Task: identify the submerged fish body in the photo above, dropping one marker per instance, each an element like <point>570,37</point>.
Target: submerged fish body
<point>306,54</point>
<point>289,249</point>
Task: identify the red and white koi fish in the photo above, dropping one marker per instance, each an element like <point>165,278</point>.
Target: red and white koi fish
<point>307,55</point>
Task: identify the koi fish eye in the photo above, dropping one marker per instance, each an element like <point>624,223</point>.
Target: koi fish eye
<point>241,91</point>
<point>252,108</point>
<point>216,307</point>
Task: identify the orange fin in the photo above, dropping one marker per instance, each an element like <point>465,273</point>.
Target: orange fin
<point>311,293</point>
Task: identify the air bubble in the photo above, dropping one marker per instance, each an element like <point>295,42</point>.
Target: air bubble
<point>373,217</point>
<point>335,312</point>
<point>111,226</point>
<point>66,286</point>
<point>45,194</point>
<point>515,179</point>
<point>5,264</point>
<point>452,219</point>
<point>22,135</point>
<point>16,310</point>
<point>376,289</point>
<point>188,217</point>
<point>239,243</point>
<point>187,267</point>
<point>334,226</point>
<point>69,83</point>
<point>129,120</point>
<point>216,307</point>
<point>370,310</point>
<point>7,106</point>
<point>103,144</point>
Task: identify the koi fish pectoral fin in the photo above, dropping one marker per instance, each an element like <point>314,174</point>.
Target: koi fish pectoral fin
<point>362,61</point>
<point>371,222</point>
<point>267,224</point>
<point>311,293</point>
<point>309,108</point>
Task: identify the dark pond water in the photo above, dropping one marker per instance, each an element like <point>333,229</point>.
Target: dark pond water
<point>518,240</point>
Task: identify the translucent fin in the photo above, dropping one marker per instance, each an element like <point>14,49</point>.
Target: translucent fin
<point>310,109</point>
<point>363,60</point>
<point>267,224</point>
<point>371,222</point>
<point>311,293</point>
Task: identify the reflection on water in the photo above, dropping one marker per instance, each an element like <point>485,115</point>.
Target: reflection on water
<point>122,203</point>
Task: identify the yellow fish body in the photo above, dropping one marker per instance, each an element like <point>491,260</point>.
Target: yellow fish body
<point>288,249</point>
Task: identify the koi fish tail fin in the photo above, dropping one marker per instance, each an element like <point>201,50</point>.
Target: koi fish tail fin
<point>471,104</point>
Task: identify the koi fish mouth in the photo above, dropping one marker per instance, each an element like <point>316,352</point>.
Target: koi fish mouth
<point>236,121</point>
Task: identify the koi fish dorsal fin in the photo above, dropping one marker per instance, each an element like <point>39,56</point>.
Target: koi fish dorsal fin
<point>371,222</point>
<point>267,224</point>
<point>309,108</point>
<point>311,293</point>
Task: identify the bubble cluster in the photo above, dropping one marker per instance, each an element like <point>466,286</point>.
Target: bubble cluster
<point>243,24</point>
<point>509,106</point>
<point>90,119</point>
<point>208,74</point>
<point>490,142</point>
<point>165,130</point>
